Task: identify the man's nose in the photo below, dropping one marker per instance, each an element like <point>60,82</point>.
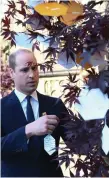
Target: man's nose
<point>31,73</point>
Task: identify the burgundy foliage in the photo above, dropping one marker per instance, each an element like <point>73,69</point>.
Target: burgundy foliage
<point>90,33</point>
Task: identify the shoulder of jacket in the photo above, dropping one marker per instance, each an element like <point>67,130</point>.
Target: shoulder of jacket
<point>50,98</point>
<point>6,98</point>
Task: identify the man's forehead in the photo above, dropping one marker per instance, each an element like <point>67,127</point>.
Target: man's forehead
<point>30,63</point>
<point>25,59</point>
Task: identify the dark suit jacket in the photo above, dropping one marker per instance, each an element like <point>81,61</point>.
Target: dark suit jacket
<point>20,159</point>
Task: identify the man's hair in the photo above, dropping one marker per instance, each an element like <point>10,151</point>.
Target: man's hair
<point>12,57</point>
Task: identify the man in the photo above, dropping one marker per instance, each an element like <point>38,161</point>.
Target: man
<point>23,149</point>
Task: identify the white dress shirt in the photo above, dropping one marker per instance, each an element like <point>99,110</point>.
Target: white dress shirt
<point>34,102</point>
<point>49,141</point>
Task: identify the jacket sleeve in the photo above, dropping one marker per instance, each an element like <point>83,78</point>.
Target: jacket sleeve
<point>13,143</point>
<point>16,142</point>
<point>62,113</point>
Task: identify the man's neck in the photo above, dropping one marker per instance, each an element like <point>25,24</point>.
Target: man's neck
<point>24,92</point>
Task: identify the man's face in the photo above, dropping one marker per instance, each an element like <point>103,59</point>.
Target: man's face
<point>25,75</point>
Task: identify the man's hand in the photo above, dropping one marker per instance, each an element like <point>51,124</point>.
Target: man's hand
<point>44,125</point>
<point>103,81</point>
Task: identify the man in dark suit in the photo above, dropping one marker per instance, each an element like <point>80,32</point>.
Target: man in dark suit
<point>23,125</point>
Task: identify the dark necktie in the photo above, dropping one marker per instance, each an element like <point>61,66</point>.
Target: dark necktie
<point>30,114</point>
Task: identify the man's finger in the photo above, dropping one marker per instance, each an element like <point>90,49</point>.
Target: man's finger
<point>51,127</point>
<point>53,117</point>
<point>53,122</point>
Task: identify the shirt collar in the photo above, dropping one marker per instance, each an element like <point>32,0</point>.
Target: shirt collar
<point>34,95</point>
<point>21,96</point>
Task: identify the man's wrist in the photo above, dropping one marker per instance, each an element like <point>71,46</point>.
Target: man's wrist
<point>28,131</point>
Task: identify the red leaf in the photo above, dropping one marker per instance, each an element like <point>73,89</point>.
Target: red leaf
<point>13,43</point>
<point>23,4</point>
<point>6,22</point>
<point>22,12</point>
<point>9,38</point>
<point>11,4</point>
<point>13,35</point>
<point>35,46</point>
<point>5,34</point>
<point>18,22</point>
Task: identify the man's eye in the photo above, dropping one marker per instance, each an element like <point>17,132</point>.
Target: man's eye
<point>34,67</point>
<point>25,70</point>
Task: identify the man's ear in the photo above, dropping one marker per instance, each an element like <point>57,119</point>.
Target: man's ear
<point>12,73</point>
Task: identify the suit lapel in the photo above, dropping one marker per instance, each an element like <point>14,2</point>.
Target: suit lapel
<point>18,114</point>
<point>42,107</point>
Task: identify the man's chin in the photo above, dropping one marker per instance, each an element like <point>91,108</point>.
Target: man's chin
<point>31,90</point>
